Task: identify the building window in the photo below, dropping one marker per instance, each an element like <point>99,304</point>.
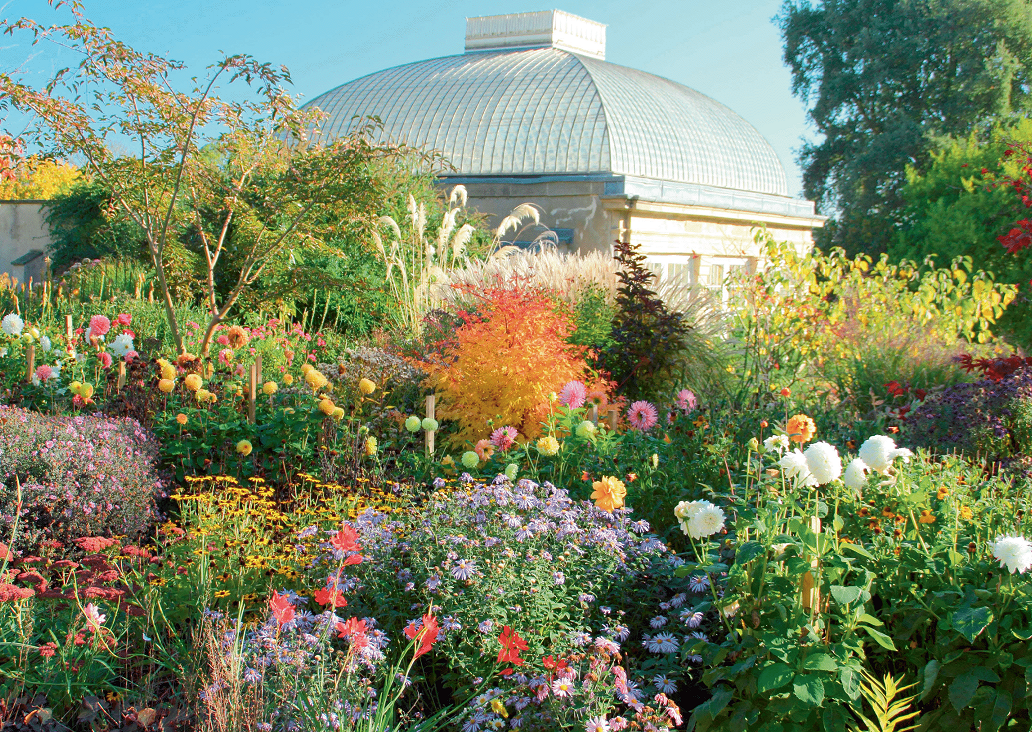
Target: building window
<point>716,276</point>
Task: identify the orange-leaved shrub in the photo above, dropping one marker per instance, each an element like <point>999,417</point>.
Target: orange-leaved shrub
<point>503,362</point>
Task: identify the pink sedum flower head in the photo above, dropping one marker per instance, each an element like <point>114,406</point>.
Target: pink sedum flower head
<point>642,416</point>
<point>504,437</point>
<point>99,326</point>
<point>573,395</point>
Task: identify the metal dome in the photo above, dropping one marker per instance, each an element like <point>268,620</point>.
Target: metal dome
<point>548,111</point>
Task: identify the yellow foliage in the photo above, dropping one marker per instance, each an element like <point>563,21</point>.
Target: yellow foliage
<point>38,178</point>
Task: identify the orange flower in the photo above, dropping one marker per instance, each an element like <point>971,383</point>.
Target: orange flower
<point>609,493</point>
<point>942,493</point>
<point>926,517</point>
<point>181,418</point>
<point>966,513</point>
<point>801,429</point>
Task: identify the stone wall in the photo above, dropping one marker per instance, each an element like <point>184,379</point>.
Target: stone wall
<point>23,229</point>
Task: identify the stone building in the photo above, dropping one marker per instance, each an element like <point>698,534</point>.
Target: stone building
<point>24,239</point>
<point>532,112</point>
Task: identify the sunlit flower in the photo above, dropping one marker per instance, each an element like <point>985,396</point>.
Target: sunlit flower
<point>237,336</point>
<point>370,446</point>
<point>244,447</point>
<point>429,424</point>
<point>562,688</point>
<point>315,379</point>
<point>608,493</point>
<point>686,400</point>
<point>193,382</point>
<point>470,459</point>
<point>504,437</point>
<point>12,324</point>
<point>797,469</point>
<point>1013,552</point>
<point>801,429</point>
<point>412,424</point>
<point>326,406</point>
<point>366,386</point>
<point>44,372</point>
<point>586,429</point>
<point>288,379</point>
<point>776,442</point>
<point>823,462</point>
<point>269,388</point>
<point>926,517</point>
<point>879,452</point>
<point>94,617</point>
<point>573,394</point>
<point>510,471</point>
<point>855,476</point>
<point>548,446</point>
<point>705,521</point>
<point>642,415</point>
<point>181,418</point>
<point>99,326</point>
<point>966,513</point>
<point>661,643</point>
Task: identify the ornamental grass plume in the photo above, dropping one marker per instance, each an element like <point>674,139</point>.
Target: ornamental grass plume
<point>609,493</point>
<point>801,429</point>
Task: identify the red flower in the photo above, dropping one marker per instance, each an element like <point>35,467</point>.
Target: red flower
<point>356,630</point>
<point>282,609</point>
<point>334,597</point>
<point>426,634</point>
<point>346,539</point>
<point>1017,238</point>
<point>552,665</point>
<point>512,644</point>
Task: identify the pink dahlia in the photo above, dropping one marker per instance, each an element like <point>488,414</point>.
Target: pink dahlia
<point>105,359</point>
<point>124,319</point>
<point>642,416</point>
<point>44,372</point>
<point>573,395</point>
<point>99,326</point>
<point>504,437</point>
<point>686,400</point>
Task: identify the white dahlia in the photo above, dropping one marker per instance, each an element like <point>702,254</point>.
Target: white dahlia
<point>1013,552</point>
<point>824,462</point>
<point>855,476</point>
<point>12,324</point>
<point>797,469</point>
<point>878,451</point>
<point>706,521</point>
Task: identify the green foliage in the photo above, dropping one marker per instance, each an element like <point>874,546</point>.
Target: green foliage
<point>953,64</point>
<point>953,209</point>
<point>826,323</point>
<point>648,339</point>
<point>826,584</point>
<point>593,318</point>
<point>84,226</point>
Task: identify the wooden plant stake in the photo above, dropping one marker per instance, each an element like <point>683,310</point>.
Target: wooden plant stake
<point>252,391</point>
<point>258,367</point>
<point>613,416</point>
<point>30,362</point>
<point>430,404</point>
<point>121,376</point>
<point>68,328</point>
<point>593,414</point>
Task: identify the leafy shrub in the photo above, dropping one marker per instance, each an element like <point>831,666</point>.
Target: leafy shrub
<point>989,419</point>
<point>80,476</point>
<point>503,362</point>
<point>824,323</point>
<point>593,316</point>
<point>648,339</point>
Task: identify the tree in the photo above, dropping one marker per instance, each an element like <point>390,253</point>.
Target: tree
<point>38,178</point>
<point>955,208</point>
<point>884,79</point>
<point>237,180</point>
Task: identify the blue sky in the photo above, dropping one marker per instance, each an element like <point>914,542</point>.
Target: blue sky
<point>728,50</point>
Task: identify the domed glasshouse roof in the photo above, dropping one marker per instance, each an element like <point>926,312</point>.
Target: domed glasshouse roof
<point>533,95</point>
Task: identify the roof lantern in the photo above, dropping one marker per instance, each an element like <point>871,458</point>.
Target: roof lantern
<point>544,29</point>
